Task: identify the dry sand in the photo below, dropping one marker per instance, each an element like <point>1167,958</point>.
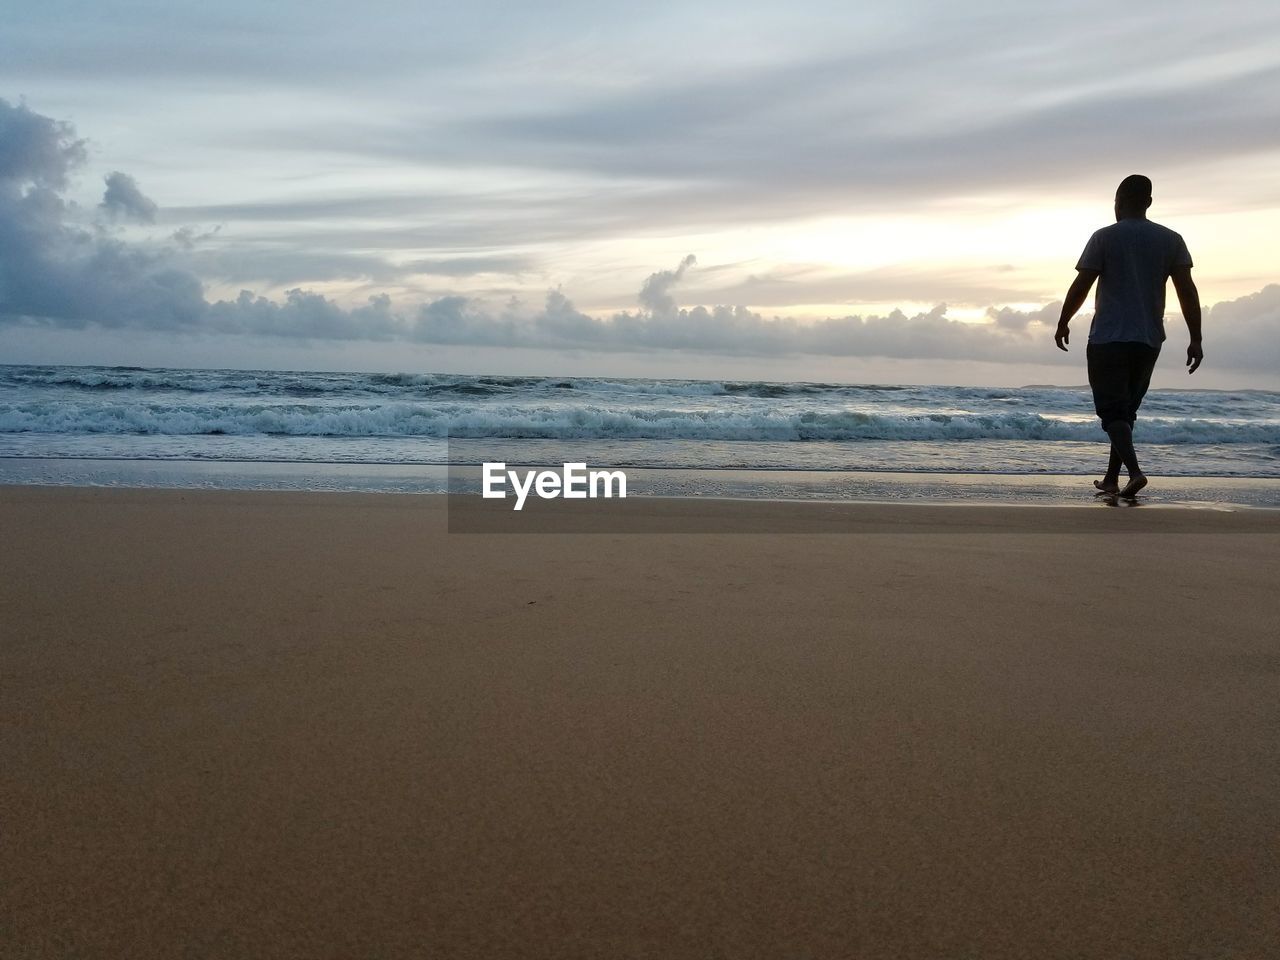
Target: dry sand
<point>317,725</point>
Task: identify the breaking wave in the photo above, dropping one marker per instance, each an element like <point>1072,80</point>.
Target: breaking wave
<point>589,421</point>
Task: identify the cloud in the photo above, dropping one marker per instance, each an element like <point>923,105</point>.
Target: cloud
<point>1007,318</point>
<point>57,271</point>
<point>469,266</point>
<point>609,124</point>
<point>304,316</point>
<point>122,199</point>
<point>953,104</point>
<point>734,141</point>
<point>36,148</point>
<point>1245,332</point>
<point>654,293</point>
<point>60,272</point>
<point>535,146</point>
<point>733,331</point>
<point>277,264</point>
<point>187,237</point>
<point>817,283</point>
<point>330,209</point>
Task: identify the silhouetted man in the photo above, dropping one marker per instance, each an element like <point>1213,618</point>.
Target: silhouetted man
<point>1131,259</point>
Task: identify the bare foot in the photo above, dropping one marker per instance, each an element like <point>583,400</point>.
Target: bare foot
<point>1136,482</point>
<point>1111,487</point>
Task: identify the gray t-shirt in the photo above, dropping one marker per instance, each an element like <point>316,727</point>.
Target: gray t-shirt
<point>1134,258</point>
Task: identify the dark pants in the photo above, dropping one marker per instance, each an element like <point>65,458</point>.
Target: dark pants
<point>1119,374</point>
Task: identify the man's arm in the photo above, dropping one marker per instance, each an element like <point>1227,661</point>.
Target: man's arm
<point>1072,303</point>
<point>1189,300</point>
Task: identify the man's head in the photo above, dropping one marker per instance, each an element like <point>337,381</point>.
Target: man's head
<point>1133,196</point>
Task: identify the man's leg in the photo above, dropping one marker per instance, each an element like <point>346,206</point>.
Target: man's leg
<point>1142,362</point>
<point>1110,483</point>
<point>1121,435</point>
<point>1108,378</point>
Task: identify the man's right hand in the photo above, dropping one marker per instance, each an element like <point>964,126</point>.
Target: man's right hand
<point>1195,354</point>
<point>1062,335</point>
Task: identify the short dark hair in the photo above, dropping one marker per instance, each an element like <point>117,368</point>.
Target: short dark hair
<point>1134,187</point>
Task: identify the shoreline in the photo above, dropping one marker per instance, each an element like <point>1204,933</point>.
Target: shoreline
<point>461,515</point>
<point>854,486</point>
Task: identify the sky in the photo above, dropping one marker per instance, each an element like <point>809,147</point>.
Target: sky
<point>875,192</point>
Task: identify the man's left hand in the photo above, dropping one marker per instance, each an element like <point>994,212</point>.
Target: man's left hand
<point>1062,336</point>
<point>1195,356</point>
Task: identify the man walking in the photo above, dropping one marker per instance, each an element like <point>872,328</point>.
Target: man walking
<point>1131,260</point>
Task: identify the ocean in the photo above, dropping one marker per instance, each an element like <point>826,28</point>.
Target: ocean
<point>256,429</point>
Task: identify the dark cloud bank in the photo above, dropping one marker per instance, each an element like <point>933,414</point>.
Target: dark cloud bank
<point>66,267</point>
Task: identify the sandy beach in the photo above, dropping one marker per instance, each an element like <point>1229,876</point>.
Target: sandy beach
<point>320,725</point>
